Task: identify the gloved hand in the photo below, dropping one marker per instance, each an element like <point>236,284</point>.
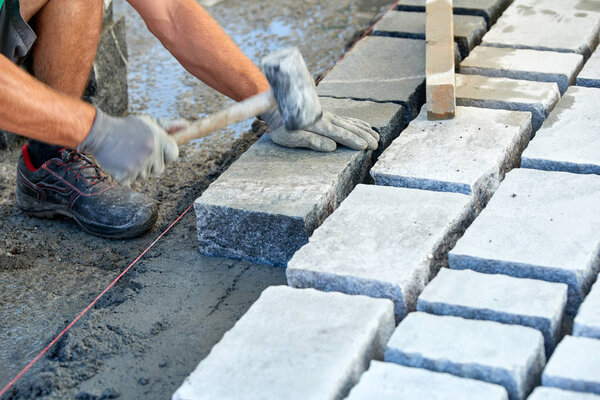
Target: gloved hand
<point>129,148</point>
<point>325,134</point>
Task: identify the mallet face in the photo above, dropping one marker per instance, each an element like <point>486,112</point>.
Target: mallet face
<point>293,87</point>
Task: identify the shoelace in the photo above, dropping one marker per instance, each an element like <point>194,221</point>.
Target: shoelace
<point>83,167</point>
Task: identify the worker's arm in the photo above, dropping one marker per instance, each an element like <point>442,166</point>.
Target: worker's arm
<point>201,46</point>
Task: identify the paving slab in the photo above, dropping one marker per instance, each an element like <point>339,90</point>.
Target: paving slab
<point>590,74</point>
<point>267,204</point>
<point>546,393</point>
<point>569,140</point>
<point>525,24</point>
<point>468,154</point>
<point>387,381</point>
<point>507,355</point>
<point>587,321</point>
<point>405,235</point>
<point>468,29</point>
<point>530,65</point>
<point>490,10</point>
<point>575,365</point>
<point>500,298</point>
<point>540,225</point>
<point>294,344</point>
<point>368,72</point>
<point>538,98</point>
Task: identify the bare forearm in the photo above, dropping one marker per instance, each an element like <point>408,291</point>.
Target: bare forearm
<point>32,109</point>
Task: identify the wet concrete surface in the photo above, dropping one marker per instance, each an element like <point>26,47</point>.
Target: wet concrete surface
<point>150,331</point>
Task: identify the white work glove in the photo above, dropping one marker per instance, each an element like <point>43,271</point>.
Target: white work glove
<point>129,148</point>
<point>325,134</point>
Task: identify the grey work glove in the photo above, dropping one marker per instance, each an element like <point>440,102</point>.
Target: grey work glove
<point>129,148</point>
<point>325,134</point>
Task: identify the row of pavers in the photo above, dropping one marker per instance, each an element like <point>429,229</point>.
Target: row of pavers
<point>388,243</point>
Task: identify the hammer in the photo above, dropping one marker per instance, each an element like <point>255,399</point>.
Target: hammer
<point>292,90</point>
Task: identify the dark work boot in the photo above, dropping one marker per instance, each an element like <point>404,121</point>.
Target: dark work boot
<point>74,186</point>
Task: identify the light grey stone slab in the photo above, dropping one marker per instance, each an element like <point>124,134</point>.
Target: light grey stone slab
<point>468,154</point>
<point>538,98</point>
<point>526,24</point>
<point>387,381</point>
<point>488,9</point>
<point>546,393</point>
<point>569,140</point>
<point>468,29</point>
<point>294,344</point>
<point>590,74</point>
<point>540,225</point>
<point>530,65</point>
<point>575,365</point>
<point>587,321</point>
<point>369,72</point>
<point>500,298</point>
<point>382,242</point>
<point>508,355</point>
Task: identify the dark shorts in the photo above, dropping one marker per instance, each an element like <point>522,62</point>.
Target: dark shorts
<point>16,36</point>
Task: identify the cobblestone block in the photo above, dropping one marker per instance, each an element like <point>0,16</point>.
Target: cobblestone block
<point>468,29</point>
<point>404,237</point>
<point>570,139</point>
<point>508,355</point>
<point>575,365</point>
<point>540,225</point>
<point>499,298</point>
<point>525,23</point>
<point>530,65</point>
<point>488,9</point>
<point>387,381</point>
<point>468,154</point>
<point>369,73</point>
<point>270,352</point>
<point>587,321</point>
<point>538,98</point>
<point>590,74</point>
<point>546,393</point>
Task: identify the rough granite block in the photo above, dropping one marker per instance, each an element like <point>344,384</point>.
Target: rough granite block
<point>590,74</point>
<point>387,381</point>
<point>546,393</point>
<point>529,65</point>
<point>404,237</point>
<point>294,344</point>
<point>575,365</point>
<point>526,25</point>
<point>587,321</point>
<point>488,9</point>
<point>368,72</point>
<point>500,298</point>
<point>569,140</point>
<point>508,355</point>
<point>538,98</point>
<point>540,225</point>
<point>468,29</point>
<point>468,154</point>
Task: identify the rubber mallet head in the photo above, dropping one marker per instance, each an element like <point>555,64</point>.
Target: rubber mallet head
<point>293,88</point>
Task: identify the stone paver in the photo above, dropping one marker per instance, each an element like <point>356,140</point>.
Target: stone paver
<point>404,237</point>
<point>587,321</point>
<point>468,29</point>
<point>546,393</point>
<point>488,9</point>
<point>590,74</point>
<point>538,98</point>
<point>569,140</point>
<point>387,381</point>
<point>368,73</point>
<point>267,204</point>
<point>540,225</point>
<point>530,65</point>
<point>294,344</point>
<point>526,24</point>
<point>468,154</point>
<point>508,355</point>
<point>575,365</point>
<point>499,298</point>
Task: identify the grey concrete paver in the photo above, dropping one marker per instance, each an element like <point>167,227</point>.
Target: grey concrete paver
<point>488,9</point>
<point>590,74</point>
<point>587,321</point>
<point>546,393</point>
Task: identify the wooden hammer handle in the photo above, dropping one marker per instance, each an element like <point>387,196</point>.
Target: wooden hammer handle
<point>241,111</point>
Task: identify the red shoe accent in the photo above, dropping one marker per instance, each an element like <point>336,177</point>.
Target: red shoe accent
<point>27,158</point>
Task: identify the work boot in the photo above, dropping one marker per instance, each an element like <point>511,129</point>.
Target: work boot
<point>72,185</point>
